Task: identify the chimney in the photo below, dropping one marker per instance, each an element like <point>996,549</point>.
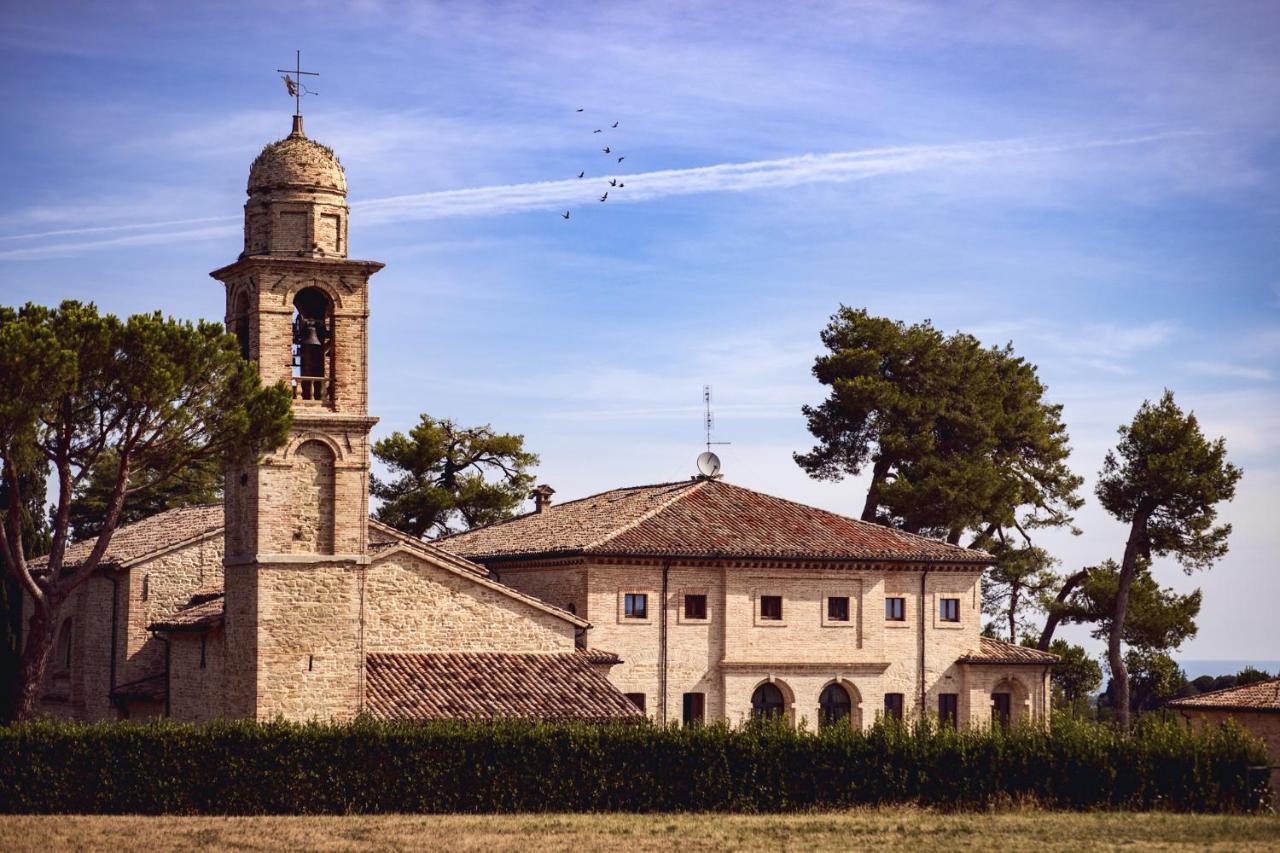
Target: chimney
<point>542,497</point>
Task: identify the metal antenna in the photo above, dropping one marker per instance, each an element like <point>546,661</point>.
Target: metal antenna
<point>297,80</point>
<point>709,418</point>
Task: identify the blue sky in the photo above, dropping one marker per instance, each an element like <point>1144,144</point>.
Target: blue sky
<point>1095,182</point>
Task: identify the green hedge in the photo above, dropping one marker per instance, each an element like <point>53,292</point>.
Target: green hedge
<point>248,768</point>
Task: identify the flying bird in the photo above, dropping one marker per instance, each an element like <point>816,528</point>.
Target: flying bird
<point>564,215</point>
<point>620,159</point>
<point>605,196</point>
<point>290,85</point>
<point>607,150</point>
<point>613,183</point>
<point>583,172</point>
<point>579,109</point>
<point>615,124</point>
<point>621,185</point>
<point>597,130</point>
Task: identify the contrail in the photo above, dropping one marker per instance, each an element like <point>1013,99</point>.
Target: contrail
<point>839,167</point>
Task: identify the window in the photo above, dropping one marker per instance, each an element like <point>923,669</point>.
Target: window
<point>893,706</point>
<point>1001,709</point>
<point>695,707</point>
<point>948,703</point>
<point>771,607</point>
<point>312,346</point>
<point>635,605</point>
<point>203,639</point>
<point>949,609</point>
<point>834,705</point>
<point>695,607</point>
<point>572,608</point>
<point>768,703</point>
<point>838,608</point>
<point>637,699</point>
<point>64,646</point>
<point>895,609</point>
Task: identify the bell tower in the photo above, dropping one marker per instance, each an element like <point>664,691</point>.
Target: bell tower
<point>297,520</point>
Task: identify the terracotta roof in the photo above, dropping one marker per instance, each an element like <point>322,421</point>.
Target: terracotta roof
<point>463,685</point>
<point>998,651</point>
<point>600,656</point>
<point>1260,696</point>
<point>204,610</point>
<point>154,533</point>
<point>699,519</point>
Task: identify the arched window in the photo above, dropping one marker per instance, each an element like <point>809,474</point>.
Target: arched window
<point>240,323</point>
<point>313,499</point>
<point>768,702</point>
<point>834,705</point>
<point>313,346</point>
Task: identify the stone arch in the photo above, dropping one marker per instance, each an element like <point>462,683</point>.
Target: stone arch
<point>312,498</point>
<point>851,693</point>
<point>773,699</point>
<point>1010,701</point>
<point>329,441</point>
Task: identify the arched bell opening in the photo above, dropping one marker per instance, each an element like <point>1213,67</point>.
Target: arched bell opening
<point>240,323</point>
<point>312,347</point>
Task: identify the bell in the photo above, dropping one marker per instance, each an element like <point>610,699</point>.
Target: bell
<point>310,338</point>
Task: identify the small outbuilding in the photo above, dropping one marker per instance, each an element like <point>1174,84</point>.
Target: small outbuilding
<point>1256,707</point>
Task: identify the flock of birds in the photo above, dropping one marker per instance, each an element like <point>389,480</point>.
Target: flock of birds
<point>608,151</point>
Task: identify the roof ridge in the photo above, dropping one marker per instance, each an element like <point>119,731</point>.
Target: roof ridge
<point>850,518</point>
<point>694,486</point>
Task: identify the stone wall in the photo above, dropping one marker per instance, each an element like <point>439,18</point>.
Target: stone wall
<point>197,680</point>
<point>412,605</point>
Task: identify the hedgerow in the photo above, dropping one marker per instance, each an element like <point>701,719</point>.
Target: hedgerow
<point>367,767</point>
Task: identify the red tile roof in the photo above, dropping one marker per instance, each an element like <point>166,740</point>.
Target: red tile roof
<point>489,685</point>
<point>204,610</point>
<point>698,519</point>
<point>998,651</point>
<point>600,656</point>
<point>1260,696</point>
<point>154,533</point>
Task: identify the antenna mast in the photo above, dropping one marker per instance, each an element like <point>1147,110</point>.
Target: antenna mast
<point>709,418</point>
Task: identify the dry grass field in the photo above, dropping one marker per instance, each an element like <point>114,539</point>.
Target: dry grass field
<point>884,829</point>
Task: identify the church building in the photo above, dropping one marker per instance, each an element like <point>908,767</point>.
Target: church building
<point>688,601</point>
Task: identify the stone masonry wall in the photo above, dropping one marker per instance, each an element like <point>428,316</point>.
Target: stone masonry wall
<point>196,691</point>
<point>412,605</point>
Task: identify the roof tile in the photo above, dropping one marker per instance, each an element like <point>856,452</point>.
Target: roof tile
<point>698,519</point>
<point>1260,696</point>
<point>998,651</point>
<point>471,685</point>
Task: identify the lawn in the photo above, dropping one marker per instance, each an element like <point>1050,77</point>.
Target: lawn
<point>862,830</point>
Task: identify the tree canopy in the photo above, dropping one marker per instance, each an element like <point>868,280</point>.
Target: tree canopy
<point>958,439</point>
<point>197,482</point>
<point>158,393</point>
<point>1164,480</point>
<point>447,478</point>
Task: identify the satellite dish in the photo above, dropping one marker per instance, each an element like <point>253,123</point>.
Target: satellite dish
<point>708,463</point>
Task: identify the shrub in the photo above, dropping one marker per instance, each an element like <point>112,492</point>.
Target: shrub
<point>365,767</point>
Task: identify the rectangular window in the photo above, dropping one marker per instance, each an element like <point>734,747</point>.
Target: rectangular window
<point>771,607</point>
<point>695,607</point>
<point>637,699</point>
<point>893,705</point>
<point>949,609</point>
<point>695,706</point>
<point>635,605</point>
<point>838,608</point>
<point>203,639</point>
<point>1001,709</point>
<point>895,609</point>
<point>948,704</point>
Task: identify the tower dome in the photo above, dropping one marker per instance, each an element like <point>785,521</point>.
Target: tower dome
<point>297,163</point>
<point>297,200</point>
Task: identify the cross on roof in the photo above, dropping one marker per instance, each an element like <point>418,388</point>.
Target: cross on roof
<point>295,83</point>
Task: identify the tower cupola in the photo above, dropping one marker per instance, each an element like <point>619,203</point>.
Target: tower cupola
<point>297,200</point>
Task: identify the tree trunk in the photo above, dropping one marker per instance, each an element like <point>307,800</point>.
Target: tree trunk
<point>1013,613</point>
<point>39,636</point>
<point>1051,623</point>
<point>1128,568</point>
<point>871,508</point>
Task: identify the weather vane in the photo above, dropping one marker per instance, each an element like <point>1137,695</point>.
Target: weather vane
<point>294,83</point>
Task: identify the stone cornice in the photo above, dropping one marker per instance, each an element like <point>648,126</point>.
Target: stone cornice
<point>295,264</point>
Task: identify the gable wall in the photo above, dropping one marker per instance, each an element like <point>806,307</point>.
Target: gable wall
<point>412,605</point>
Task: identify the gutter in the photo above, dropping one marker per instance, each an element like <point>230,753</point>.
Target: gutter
<point>662,648</point>
<point>923,606</point>
<point>115,622</point>
<point>168,650</point>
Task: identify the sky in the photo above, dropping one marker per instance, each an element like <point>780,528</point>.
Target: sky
<point>1095,183</point>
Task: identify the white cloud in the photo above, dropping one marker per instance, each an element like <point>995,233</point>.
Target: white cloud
<point>1226,370</point>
